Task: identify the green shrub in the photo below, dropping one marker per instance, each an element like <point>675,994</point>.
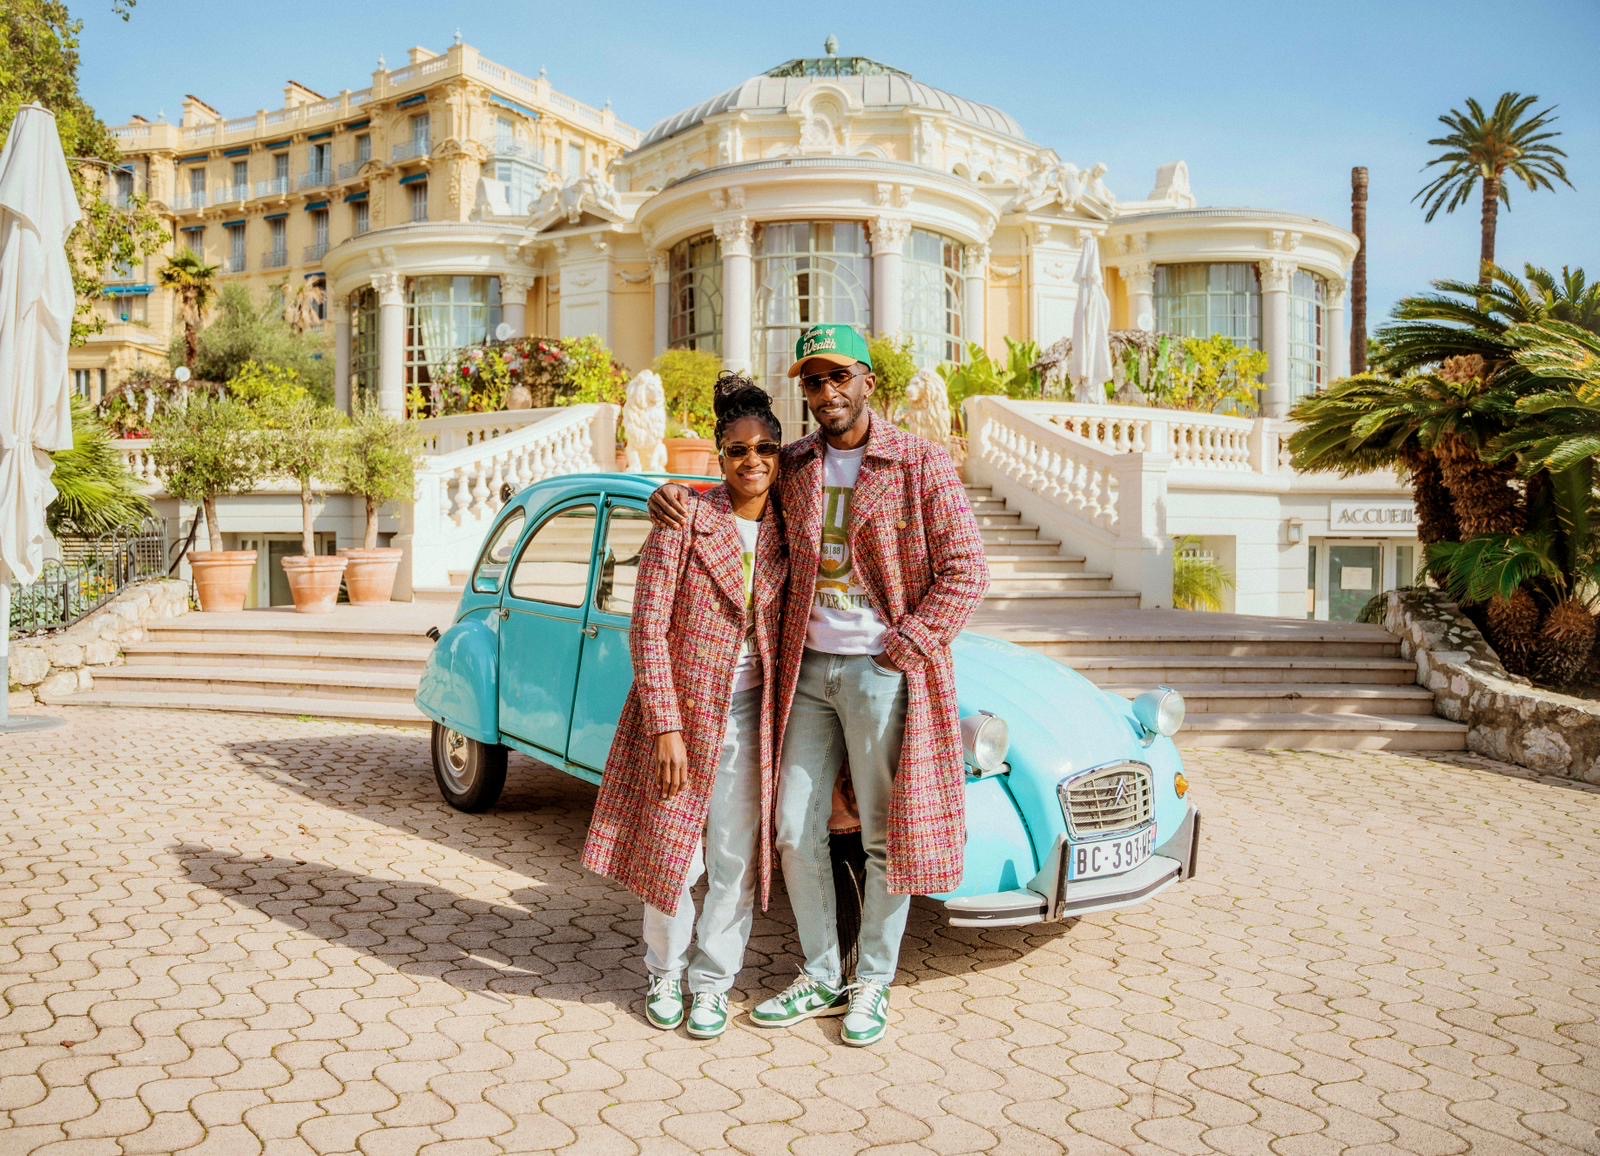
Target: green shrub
<point>895,366</point>
<point>689,380</point>
<point>378,462</point>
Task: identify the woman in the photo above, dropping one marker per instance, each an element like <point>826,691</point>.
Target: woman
<point>688,787</point>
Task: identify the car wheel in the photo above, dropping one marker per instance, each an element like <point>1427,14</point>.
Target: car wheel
<point>470,774</point>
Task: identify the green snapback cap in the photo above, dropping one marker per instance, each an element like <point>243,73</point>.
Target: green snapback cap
<point>835,344</point>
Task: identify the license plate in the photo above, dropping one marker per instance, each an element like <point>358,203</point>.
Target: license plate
<point>1112,856</point>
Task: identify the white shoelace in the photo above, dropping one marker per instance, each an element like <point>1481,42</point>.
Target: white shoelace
<point>713,1001</point>
<point>661,988</point>
<point>864,996</point>
<point>803,985</point>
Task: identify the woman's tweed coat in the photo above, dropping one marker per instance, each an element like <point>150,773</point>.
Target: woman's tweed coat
<point>688,625</point>
<point>920,555</point>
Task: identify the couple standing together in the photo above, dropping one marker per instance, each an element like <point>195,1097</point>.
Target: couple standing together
<point>792,621</point>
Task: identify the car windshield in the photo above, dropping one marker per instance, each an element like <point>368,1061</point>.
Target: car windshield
<point>497,554</point>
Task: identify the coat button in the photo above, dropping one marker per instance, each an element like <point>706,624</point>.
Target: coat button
<point>901,524</point>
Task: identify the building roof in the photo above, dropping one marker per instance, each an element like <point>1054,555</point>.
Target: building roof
<point>875,85</point>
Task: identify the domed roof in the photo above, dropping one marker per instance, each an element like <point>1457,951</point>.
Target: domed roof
<point>875,85</point>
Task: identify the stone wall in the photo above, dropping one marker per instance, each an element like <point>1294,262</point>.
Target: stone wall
<point>51,667</point>
<point>1507,717</point>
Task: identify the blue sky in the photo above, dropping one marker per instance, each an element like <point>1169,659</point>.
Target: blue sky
<point>1270,103</point>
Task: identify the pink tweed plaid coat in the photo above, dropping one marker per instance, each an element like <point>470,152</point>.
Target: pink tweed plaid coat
<point>917,546</point>
<point>688,625</point>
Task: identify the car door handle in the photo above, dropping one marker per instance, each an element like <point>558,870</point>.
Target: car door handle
<point>504,614</point>
<point>591,631</point>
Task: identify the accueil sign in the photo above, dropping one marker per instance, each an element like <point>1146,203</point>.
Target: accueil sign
<point>1359,518</point>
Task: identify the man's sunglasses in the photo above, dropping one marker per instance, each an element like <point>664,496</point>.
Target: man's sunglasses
<point>740,451</point>
<point>834,377</point>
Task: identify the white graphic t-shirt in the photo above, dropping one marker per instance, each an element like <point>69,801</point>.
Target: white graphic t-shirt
<point>747,671</point>
<point>842,620</point>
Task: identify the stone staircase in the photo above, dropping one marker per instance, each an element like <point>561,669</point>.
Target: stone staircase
<point>1249,682</point>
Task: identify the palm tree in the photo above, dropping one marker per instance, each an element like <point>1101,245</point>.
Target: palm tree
<point>1487,148</point>
<point>194,282</point>
<point>96,493</point>
<point>302,304</point>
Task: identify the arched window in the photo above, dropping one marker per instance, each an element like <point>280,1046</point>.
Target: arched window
<point>933,285</point>
<point>807,273</point>
<point>363,344</point>
<point>1204,300</point>
<point>1307,334</point>
<point>694,303</point>
<point>444,313</point>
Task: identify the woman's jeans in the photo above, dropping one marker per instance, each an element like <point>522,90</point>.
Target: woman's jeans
<point>728,857</point>
<point>844,705</point>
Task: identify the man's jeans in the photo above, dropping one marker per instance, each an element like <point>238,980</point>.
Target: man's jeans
<point>728,853</point>
<point>844,705</point>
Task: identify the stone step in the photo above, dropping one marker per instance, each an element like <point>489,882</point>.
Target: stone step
<point>1184,647</point>
<point>1292,698</point>
<point>184,680</point>
<point>1326,732</point>
<point>246,638</point>
<point>989,505</point>
<point>346,709</point>
<point>1026,548</point>
<point>1060,600</point>
<point>1002,520</point>
<point>1180,670</point>
<point>408,655</point>
<point>445,595</point>
<point>1059,579</point>
<point>1008,566</point>
<point>996,536</point>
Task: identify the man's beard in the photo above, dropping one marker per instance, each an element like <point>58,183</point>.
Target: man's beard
<point>838,425</point>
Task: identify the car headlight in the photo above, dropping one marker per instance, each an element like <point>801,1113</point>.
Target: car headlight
<point>1159,712</point>
<point>985,740</point>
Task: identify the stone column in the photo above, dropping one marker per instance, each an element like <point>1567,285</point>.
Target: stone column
<point>1140,278</point>
<point>888,286</point>
<point>1335,341</point>
<point>1275,274</point>
<point>339,312</point>
<point>974,295</point>
<point>391,342</point>
<point>661,287</point>
<point>514,289</point>
<point>735,234</point>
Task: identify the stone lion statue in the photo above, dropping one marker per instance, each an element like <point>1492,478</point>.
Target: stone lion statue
<point>928,406</point>
<point>644,419</point>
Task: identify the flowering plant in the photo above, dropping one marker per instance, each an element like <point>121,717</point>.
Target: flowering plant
<point>479,377</point>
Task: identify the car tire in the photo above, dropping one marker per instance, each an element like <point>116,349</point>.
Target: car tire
<point>470,774</point>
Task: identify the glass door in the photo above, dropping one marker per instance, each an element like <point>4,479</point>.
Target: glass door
<point>1354,573</point>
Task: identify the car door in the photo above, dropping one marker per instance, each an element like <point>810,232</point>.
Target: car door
<point>543,611</point>
<point>605,670</point>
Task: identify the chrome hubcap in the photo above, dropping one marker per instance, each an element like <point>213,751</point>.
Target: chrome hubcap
<point>453,763</point>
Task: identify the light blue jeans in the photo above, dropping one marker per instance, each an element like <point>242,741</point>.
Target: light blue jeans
<point>844,705</point>
<point>728,855</point>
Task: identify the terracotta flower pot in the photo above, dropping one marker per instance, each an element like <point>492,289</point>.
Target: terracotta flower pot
<point>314,581</point>
<point>691,455</point>
<point>222,577</point>
<point>369,577</point>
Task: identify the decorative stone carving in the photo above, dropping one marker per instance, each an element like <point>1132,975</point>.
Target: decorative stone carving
<point>735,235</point>
<point>889,234</point>
<point>391,288</point>
<point>928,406</point>
<point>515,286</point>
<point>977,260</point>
<point>1275,273</point>
<point>1335,287</point>
<point>1139,276</point>
<point>644,418</point>
<point>1172,185</point>
<point>660,266</point>
<point>1095,185</point>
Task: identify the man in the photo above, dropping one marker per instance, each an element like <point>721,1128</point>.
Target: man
<point>886,566</point>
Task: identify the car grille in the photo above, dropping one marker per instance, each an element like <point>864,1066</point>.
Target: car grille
<point>1114,798</point>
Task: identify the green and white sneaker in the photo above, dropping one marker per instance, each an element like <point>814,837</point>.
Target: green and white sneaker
<point>868,1015</point>
<point>801,1000</point>
<point>708,1015</point>
<point>663,1003</point>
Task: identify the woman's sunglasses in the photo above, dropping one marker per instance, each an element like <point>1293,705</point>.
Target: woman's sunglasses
<point>765,449</point>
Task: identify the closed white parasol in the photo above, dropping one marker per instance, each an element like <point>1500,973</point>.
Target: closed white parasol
<point>37,211</point>
<point>1089,364</point>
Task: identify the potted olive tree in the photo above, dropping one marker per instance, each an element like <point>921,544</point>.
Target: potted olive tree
<point>205,450</point>
<point>377,462</point>
<point>303,445</point>
<point>689,379</point>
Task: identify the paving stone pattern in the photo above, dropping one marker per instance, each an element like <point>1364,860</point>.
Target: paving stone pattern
<point>236,934</point>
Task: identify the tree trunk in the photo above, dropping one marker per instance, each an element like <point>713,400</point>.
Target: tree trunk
<point>191,345</point>
<point>1491,213</point>
<point>1358,271</point>
<point>213,531</point>
<point>1486,499</point>
<point>1436,515</point>
<point>371,540</point>
<point>307,539</point>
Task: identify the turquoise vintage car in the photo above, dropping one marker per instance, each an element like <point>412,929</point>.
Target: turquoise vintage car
<point>1076,798</point>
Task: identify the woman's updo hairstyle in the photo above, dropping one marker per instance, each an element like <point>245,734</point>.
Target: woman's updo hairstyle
<point>735,397</point>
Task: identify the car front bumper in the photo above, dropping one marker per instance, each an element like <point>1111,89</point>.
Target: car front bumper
<point>1052,896</point>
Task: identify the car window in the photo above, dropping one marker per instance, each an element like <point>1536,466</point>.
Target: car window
<point>554,566</point>
<point>491,572</point>
<point>626,529</point>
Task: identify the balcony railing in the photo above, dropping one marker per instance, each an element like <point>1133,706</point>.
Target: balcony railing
<point>316,251</point>
<point>276,187</point>
<point>363,227</point>
<point>190,203</point>
<point>350,168</point>
<point>234,263</point>
<point>411,150</point>
<point>275,259</point>
<point>231,194</point>
<point>316,178</point>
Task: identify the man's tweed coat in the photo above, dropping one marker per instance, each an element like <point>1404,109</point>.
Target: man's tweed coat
<point>919,552</point>
<point>688,625</point>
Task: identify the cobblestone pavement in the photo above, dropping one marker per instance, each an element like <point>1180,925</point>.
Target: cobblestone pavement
<point>233,934</point>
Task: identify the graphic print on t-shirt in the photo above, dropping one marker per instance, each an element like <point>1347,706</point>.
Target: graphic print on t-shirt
<point>837,588</point>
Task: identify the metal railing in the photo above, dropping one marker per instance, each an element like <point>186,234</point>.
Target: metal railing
<point>316,178</point>
<point>233,264</point>
<point>349,169</point>
<point>231,194</point>
<point>91,572</point>
<point>411,150</point>
<point>275,259</point>
<point>276,187</point>
<point>316,250</point>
